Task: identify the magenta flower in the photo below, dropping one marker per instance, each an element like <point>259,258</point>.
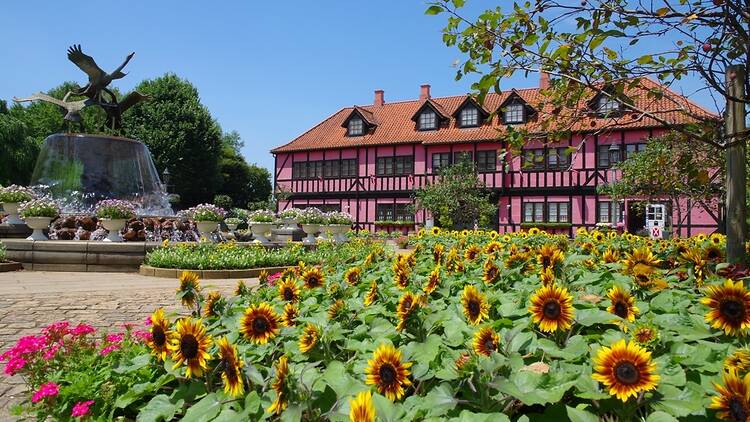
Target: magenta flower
<point>142,336</point>
<point>50,353</point>
<point>82,330</point>
<point>81,409</point>
<point>49,389</point>
<point>115,338</point>
<point>14,365</point>
<point>109,349</point>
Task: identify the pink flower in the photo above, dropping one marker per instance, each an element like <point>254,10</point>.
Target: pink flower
<point>49,389</point>
<point>82,330</point>
<point>50,353</point>
<point>81,409</point>
<point>142,336</point>
<point>115,338</point>
<point>14,365</point>
<point>148,321</point>
<point>56,329</point>
<point>109,349</point>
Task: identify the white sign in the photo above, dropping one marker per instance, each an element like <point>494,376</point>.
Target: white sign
<point>656,232</point>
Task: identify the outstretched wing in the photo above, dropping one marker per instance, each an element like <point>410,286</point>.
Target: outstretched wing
<point>132,99</point>
<point>84,62</point>
<point>40,97</point>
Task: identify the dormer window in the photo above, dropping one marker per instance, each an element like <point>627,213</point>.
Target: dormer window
<point>513,113</point>
<point>469,116</point>
<point>356,127</point>
<point>427,120</point>
<point>607,105</point>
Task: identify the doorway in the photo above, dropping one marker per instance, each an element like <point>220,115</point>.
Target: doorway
<point>636,216</point>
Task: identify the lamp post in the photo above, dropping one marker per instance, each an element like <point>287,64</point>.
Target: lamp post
<point>166,176</point>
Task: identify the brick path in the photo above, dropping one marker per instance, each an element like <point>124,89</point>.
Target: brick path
<point>30,300</point>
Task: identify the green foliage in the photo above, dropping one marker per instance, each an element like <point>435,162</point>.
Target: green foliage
<point>244,183</point>
<point>223,201</point>
<point>458,199</point>
<point>181,135</point>
<point>2,252</point>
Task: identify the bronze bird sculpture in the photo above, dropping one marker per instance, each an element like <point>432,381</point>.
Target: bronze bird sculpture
<point>72,108</point>
<point>98,79</point>
<point>114,110</point>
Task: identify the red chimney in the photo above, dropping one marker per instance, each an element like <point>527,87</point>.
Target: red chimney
<point>424,93</point>
<point>543,80</point>
<point>379,100</point>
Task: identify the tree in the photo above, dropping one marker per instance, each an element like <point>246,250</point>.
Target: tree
<point>604,47</point>
<point>675,167</point>
<point>18,151</point>
<point>458,199</point>
<point>181,135</point>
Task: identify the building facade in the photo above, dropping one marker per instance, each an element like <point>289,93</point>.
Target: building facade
<point>368,160</point>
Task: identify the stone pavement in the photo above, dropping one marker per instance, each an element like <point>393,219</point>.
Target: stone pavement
<point>30,300</point>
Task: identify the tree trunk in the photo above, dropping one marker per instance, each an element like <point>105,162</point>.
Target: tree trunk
<point>736,208</point>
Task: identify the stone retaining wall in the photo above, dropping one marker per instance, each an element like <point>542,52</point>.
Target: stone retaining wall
<point>208,274</point>
<point>61,255</point>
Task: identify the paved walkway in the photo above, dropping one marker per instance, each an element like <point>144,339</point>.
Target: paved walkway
<point>30,300</point>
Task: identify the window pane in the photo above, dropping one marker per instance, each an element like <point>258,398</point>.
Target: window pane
<point>564,215</point>
<point>552,158</point>
<point>608,104</point>
<point>469,116</point>
<point>356,126</point>
<point>513,113</point>
<point>528,212</point>
<point>539,211</point>
<point>604,212</point>
<point>427,120</point>
<point>552,212</point>
<point>381,166</point>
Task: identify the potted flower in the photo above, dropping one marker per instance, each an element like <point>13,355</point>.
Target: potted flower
<point>113,214</point>
<point>339,223</point>
<point>11,197</point>
<point>261,223</point>
<point>206,216</point>
<point>232,223</point>
<point>311,219</point>
<point>289,218</point>
<point>37,214</point>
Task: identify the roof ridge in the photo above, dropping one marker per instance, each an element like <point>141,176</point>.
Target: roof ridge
<point>310,130</point>
<point>446,97</point>
<point>683,97</point>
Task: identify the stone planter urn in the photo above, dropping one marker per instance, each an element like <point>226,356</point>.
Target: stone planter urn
<point>260,230</point>
<point>38,225</point>
<point>326,233</point>
<point>339,232</point>
<point>310,230</point>
<point>206,227</point>
<point>232,227</point>
<point>113,226</point>
<point>12,209</point>
<point>289,224</point>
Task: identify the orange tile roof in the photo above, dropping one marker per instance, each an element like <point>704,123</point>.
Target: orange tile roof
<point>394,124</point>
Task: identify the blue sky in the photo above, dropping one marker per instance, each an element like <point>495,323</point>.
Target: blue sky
<point>270,70</point>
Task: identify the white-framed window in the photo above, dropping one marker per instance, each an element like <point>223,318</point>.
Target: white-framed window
<point>558,212</point>
<point>513,113</point>
<point>469,116</point>
<point>609,212</point>
<point>533,212</point>
<point>487,160</point>
<point>428,120</point>
<point>607,105</point>
<point>356,126</point>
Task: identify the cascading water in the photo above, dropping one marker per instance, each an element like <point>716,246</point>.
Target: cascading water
<point>78,170</point>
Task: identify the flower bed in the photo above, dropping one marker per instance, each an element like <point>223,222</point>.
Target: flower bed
<point>468,326</point>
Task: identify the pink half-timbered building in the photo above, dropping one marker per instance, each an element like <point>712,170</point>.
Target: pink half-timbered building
<point>368,160</point>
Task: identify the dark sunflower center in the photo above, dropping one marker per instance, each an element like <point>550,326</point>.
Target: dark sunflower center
<point>489,345</point>
<point>260,325</point>
<point>229,370</point>
<point>551,309</point>
<point>642,279</point>
<point>737,409</point>
<point>732,310</point>
<point>621,309</point>
<point>473,307</point>
<point>387,374</point>
<point>407,305</point>
<point>491,273</point>
<point>189,346</point>
<point>158,336</point>
<point>546,261</point>
<point>313,281</point>
<point>288,294</point>
<point>644,335</point>
<point>627,373</point>
<point>712,254</point>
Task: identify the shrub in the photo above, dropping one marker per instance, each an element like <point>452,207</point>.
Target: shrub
<point>2,252</point>
<point>39,208</point>
<point>223,201</point>
<point>15,194</point>
<point>115,209</point>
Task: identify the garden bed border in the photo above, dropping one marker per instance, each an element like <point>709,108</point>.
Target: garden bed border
<point>150,271</point>
<point>10,266</point>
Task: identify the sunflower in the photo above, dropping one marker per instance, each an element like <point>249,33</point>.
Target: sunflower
<point>738,361</point>
<point>472,252</point>
<point>696,257</point>
<point>713,253</point>
<point>533,231</point>
<point>279,385</point>
<point>406,305</point>
<point>475,305</point>
<point>733,401</point>
<point>486,341</point>
<point>259,323</point>
<point>401,274</point>
<point>372,294</point>
<point>598,236</point>
<point>645,334</point>
<point>716,238</point>
<point>435,231</point>
<point>549,256</point>
<point>493,248</point>
<point>159,334</point>
<point>214,304</point>
<point>491,272</point>
<point>336,309</point>
<point>623,304</point>
<point>433,280</point>
<point>291,312</point>
<point>361,408</point>
<point>189,290</point>
<point>437,253</point>
<point>581,231</point>
<point>313,278</point>
<point>289,290</point>
<point>231,368</point>
<point>309,338</point>
<point>610,256</point>
<point>552,308</point>
<point>642,261</point>
<point>461,361</point>
<point>730,307</point>
<point>626,369</point>
<point>263,277</point>
<point>352,275</point>
<point>387,373</point>
<point>241,289</point>
<point>189,345</point>
<point>547,276</point>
